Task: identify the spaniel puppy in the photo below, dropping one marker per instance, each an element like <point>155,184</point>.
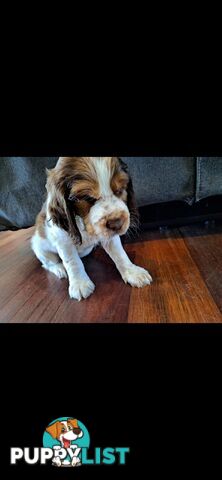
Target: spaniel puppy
<point>90,201</point>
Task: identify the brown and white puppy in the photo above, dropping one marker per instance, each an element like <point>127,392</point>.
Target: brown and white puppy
<point>90,201</point>
<point>66,432</point>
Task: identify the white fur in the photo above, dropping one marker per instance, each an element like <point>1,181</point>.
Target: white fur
<point>61,256</point>
<point>135,276</point>
<point>103,174</point>
<point>80,285</point>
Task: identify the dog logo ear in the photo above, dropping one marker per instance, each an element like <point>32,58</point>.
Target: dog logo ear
<point>52,429</point>
<point>73,422</point>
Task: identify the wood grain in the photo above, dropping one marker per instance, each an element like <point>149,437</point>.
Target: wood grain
<point>178,293</point>
<point>186,265</point>
<point>30,294</point>
<point>205,246</point>
<point>108,304</point>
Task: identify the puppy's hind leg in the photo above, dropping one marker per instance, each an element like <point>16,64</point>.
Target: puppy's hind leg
<point>50,260</point>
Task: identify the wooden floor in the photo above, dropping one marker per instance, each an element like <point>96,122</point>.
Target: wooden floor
<point>186,265</point>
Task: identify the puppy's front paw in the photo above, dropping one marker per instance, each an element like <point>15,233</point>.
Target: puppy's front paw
<point>76,462</point>
<point>81,288</point>
<point>136,276</point>
<point>57,462</point>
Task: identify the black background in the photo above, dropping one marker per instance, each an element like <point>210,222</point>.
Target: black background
<point>154,389</point>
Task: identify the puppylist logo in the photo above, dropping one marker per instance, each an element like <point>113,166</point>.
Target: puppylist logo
<point>66,443</point>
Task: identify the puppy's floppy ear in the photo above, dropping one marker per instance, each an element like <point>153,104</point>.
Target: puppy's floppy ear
<point>73,422</point>
<point>52,429</point>
<point>61,209</point>
<point>131,199</point>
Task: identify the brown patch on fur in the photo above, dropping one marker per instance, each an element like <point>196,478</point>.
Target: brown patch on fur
<point>76,180</point>
<point>67,171</point>
<point>59,185</point>
<point>40,222</point>
<point>82,208</point>
<point>86,182</point>
<point>119,180</point>
<point>131,200</point>
<point>85,187</point>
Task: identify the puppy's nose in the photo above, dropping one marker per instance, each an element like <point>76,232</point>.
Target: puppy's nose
<point>114,224</point>
<point>77,431</point>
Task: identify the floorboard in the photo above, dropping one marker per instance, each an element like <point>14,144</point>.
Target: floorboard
<point>185,262</point>
<point>205,246</point>
<point>178,293</point>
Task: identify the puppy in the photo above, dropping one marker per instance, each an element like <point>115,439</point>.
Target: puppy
<point>66,432</point>
<point>90,201</point>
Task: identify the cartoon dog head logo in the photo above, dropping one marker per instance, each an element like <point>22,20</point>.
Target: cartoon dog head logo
<point>65,431</point>
<point>66,436</point>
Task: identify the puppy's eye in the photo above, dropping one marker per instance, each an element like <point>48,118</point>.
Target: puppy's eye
<point>88,199</point>
<point>69,427</point>
<point>63,430</point>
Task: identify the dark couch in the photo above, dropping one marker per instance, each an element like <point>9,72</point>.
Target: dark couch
<point>157,180</point>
